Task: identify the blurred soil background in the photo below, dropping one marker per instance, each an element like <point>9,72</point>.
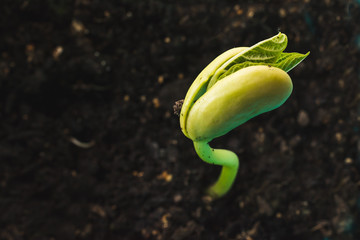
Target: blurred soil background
<point>90,148</point>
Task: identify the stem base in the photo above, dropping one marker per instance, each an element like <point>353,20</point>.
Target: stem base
<point>225,158</point>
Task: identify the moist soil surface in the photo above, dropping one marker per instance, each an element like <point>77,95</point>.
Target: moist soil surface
<point>90,147</point>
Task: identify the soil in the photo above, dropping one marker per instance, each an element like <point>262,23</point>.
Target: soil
<point>90,147</point>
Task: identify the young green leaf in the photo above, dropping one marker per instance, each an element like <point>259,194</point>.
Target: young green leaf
<point>266,51</point>
<point>286,62</point>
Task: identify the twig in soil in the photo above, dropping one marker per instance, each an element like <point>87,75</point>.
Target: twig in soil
<point>79,144</point>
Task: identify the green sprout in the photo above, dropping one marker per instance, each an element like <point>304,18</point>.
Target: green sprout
<point>236,86</point>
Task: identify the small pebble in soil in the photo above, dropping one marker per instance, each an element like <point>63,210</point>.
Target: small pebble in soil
<point>207,199</point>
<point>137,174</point>
<point>160,79</point>
<point>177,198</point>
<point>57,52</point>
<point>99,210</point>
<point>165,176</point>
<point>167,40</point>
<point>156,102</point>
<point>164,220</point>
<point>303,118</point>
<point>78,27</point>
<point>338,137</point>
<point>282,12</point>
<point>348,160</point>
<point>107,14</point>
<point>167,114</point>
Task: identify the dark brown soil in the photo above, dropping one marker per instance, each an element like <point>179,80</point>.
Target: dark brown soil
<point>90,147</point>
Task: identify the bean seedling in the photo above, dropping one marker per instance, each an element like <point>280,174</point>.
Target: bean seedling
<point>236,86</point>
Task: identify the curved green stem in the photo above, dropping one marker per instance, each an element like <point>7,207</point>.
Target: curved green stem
<point>229,162</point>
